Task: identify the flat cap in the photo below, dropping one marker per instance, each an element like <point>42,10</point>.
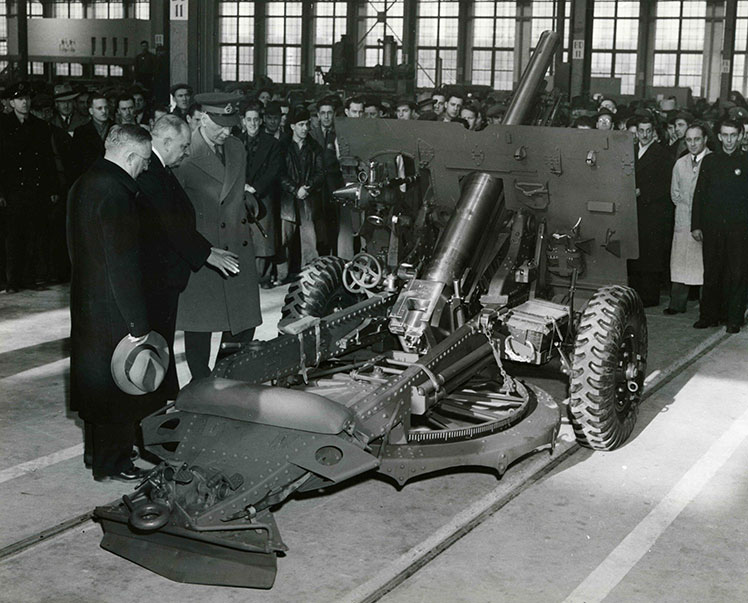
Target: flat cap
<point>176,87</point>
<point>496,110</point>
<point>222,108</point>
<point>18,90</point>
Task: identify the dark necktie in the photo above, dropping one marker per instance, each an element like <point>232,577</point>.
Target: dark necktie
<point>694,162</point>
<point>219,152</point>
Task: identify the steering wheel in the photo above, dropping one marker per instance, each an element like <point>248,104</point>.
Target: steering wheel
<point>363,272</point>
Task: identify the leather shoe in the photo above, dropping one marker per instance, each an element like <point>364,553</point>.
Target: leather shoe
<point>704,324</point>
<point>12,289</point>
<point>733,329</point>
<point>671,312</point>
<point>128,474</point>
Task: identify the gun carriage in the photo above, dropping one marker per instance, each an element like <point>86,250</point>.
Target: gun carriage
<point>482,252</point>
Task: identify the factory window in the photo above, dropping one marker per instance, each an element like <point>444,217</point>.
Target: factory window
<point>3,34</point>
<point>740,64</point>
<point>615,34</point>
<point>67,10</point>
<point>381,19</point>
<point>35,10</point>
<point>106,9</point>
<point>36,68</point>
<point>329,25</point>
<point>236,37</point>
<point>141,9</point>
<point>284,41</point>
<point>69,69</point>
<point>544,14</point>
<point>108,71</point>
<point>679,44</point>
<point>437,42</point>
<point>493,44</point>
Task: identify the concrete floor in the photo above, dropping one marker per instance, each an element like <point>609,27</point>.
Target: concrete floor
<point>659,519</point>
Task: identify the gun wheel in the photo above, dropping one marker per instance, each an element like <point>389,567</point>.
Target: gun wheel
<point>319,291</point>
<point>609,366</point>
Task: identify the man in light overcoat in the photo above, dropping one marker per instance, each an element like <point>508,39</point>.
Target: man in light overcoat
<point>213,176</point>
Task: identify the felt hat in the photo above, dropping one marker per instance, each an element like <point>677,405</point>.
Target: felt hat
<point>273,108</point>
<point>299,114</point>
<point>222,108</point>
<point>64,92</point>
<point>140,368</point>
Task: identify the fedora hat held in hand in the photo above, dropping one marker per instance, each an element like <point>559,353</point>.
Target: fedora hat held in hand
<point>140,368</point>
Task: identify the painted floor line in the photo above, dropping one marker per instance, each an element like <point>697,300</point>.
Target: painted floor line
<point>40,463</point>
<point>640,540</point>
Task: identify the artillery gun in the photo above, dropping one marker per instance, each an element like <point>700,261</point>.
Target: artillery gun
<point>483,252</point>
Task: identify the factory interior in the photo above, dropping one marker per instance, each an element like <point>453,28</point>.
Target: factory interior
<point>413,494</point>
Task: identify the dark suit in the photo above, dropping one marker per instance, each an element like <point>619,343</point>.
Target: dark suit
<point>655,219</point>
<point>720,211</point>
<point>108,300</point>
<point>264,168</point>
<point>88,145</point>
<point>172,247</point>
<point>333,180</point>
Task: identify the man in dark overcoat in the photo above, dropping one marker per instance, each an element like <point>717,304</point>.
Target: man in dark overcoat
<point>88,139</point>
<point>108,299</point>
<point>324,135</point>
<point>655,215</point>
<point>264,168</point>
<point>172,245</point>
<point>213,176</point>
<point>301,204</point>
<point>28,185</point>
<point>719,218</point>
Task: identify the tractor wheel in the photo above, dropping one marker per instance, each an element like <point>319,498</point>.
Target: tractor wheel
<point>319,291</point>
<point>608,368</point>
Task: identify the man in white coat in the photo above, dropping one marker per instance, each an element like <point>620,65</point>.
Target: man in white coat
<point>686,262</point>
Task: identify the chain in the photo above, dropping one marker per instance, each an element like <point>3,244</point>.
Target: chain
<point>508,385</point>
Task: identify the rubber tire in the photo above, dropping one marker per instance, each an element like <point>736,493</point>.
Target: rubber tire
<point>318,291</point>
<point>598,422</point>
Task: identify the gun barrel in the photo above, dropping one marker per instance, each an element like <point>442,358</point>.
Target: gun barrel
<point>457,246</point>
<point>522,100</point>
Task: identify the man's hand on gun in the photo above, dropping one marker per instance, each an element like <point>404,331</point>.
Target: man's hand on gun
<point>226,262</point>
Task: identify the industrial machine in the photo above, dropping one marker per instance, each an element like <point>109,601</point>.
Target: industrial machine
<point>483,253</point>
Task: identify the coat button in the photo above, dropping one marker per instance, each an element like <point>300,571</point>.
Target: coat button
<point>244,220</point>
<point>223,224</point>
<point>244,243</point>
<point>226,247</point>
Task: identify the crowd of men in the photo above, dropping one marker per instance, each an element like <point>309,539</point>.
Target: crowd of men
<point>176,216</point>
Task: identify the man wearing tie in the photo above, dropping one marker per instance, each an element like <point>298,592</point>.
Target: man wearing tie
<point>686,263</point>
<point>213,176</point>
<point>172,246</point>
<point>655,211</point>
<point>324,134</point>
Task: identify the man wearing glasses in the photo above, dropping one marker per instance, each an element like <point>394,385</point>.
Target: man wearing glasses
<point>108,300</point>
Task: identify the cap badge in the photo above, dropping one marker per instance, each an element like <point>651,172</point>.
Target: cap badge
<point>228,109</point>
